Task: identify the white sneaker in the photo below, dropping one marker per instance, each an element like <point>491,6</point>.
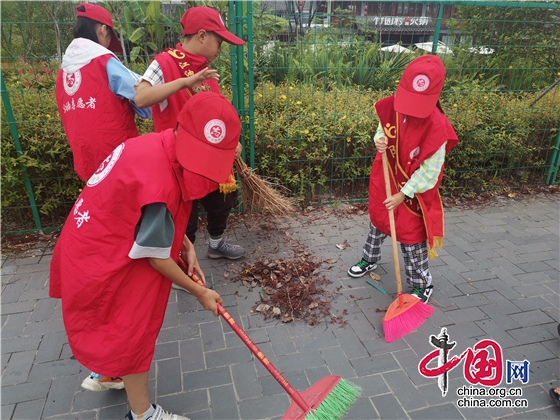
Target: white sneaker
<point>361,268</point>
<point>423,294</point>
<point>95,382</point>
<point>160,414</point>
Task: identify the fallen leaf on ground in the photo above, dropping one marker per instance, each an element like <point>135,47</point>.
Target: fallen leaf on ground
<point>375,276</point>
<point>291,286</point>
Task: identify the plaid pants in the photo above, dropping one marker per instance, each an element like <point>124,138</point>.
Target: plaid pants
<point>415,257</point>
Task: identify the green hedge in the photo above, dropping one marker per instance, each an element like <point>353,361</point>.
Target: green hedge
<point>317,142</point>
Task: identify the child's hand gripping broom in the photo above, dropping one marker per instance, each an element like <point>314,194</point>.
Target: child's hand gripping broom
<point>329,399</point>
<point>406,313</point>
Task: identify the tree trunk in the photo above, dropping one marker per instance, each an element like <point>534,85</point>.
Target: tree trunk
<point>52,15</point>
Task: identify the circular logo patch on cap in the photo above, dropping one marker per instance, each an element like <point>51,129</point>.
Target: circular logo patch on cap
<point>420,83</point>
<point>72,82</point>
<point>215,131</point>
<point>106,166</point>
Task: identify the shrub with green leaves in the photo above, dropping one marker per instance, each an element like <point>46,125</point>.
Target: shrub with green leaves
<point>45,155</point>
<point>314,139</point>
<point>319,143</point>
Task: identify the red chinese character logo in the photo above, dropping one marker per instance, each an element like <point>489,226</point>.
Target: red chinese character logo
<point>480,368</point>
<point>483,363</point>
<point>216,131</point>
<point>70,80</point>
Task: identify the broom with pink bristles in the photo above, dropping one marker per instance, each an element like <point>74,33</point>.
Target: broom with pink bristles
<point>407,312</point>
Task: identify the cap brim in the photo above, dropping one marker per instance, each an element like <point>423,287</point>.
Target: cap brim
<point>414,104</point>
<point>115,44</point>
<point>230,38</point>
<point>204,159</point>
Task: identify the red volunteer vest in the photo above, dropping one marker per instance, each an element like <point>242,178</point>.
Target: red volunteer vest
<point>410,144</point>
<point>113,306</point>
<point>95,120</point>
<point>176,63</point>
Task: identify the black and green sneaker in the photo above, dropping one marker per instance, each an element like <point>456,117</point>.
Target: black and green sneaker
<point>361,268</point>
<point>423,294</point>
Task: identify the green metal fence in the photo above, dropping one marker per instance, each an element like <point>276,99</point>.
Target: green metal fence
<point>304,86</point>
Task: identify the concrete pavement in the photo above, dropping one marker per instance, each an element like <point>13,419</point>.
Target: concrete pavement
<point>497,279</point>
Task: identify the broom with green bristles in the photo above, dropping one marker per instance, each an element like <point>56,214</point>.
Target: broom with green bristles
<point>329,399</point>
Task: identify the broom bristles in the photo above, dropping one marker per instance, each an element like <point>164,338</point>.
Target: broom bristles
<point>259,194</point>
<point>337,403</point>
<point>406,322</point>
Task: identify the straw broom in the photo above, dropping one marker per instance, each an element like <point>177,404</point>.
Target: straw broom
<point>408,312</point>
<point>259,194</point>
<point>329,398</point>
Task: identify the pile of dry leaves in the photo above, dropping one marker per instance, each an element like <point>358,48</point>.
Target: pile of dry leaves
<point>291,290</point>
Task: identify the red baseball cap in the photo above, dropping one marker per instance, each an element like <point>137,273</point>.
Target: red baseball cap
<point>200,17</point>
<point>207,136</point>
<point>420,86</point>
<point>99,14</point>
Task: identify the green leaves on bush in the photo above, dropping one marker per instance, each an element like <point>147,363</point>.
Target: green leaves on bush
<point>319,143</point>
<point>315,141</point>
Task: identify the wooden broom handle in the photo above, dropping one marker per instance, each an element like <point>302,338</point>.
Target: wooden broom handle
<point>295,395</point>
<point>393,229</point>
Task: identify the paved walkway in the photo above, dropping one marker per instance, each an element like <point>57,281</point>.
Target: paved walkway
<point>497,278</point>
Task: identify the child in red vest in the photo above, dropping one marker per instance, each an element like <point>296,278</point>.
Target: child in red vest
<point>417,136</point>
<point>94,91</point>
<point>116,258</point>
<point>164,87</point>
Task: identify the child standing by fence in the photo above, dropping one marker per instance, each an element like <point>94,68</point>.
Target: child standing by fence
<point>164,87</point>
<point>94,91</point>
<point>417,136</point>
